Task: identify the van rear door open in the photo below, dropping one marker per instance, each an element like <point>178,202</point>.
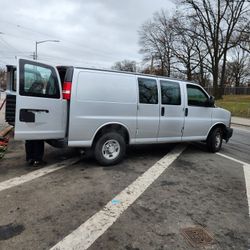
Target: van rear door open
<point>41,112</point>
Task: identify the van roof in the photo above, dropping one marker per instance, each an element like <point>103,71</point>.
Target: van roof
<point>122,72</point>
<point>136,73</point>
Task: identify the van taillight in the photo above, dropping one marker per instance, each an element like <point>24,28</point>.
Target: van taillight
<point>66,90</point>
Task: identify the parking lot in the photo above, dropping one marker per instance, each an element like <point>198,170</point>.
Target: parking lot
<point>126,206</point>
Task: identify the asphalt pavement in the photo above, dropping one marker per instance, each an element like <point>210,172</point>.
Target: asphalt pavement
<point>199,189</point>
<point>239,145</point>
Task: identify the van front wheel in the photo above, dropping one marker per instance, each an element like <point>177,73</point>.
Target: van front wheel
<point>110,149</point>
<point>214,140</point>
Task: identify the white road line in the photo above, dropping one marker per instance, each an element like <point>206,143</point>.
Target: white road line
<point>86,234</point>
<point>233,159</point>
<point>247,180</point>
<point>35,174</point>
<point>246,168</point>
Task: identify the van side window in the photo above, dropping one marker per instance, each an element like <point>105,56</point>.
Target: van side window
<point>196,96</point>
<point>170,93</point>
<point>38,80</point>
<point>148,91</point>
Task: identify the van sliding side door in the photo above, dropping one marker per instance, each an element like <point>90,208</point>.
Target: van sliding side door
<point>40,110</point>
<point>148,111</point>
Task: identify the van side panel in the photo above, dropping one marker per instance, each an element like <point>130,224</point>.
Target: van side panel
<point>99,98</point>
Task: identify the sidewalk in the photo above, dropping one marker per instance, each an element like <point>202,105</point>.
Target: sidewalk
<point>240,121</point>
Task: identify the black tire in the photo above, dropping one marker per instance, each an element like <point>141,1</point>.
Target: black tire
<point>106,157</point>
<point>214,140</point>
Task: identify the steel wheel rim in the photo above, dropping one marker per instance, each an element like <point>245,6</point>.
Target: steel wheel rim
<point>111,149</point>
<point>217,140</point>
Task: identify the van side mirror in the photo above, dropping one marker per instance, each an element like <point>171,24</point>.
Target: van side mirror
<point>211,101</point>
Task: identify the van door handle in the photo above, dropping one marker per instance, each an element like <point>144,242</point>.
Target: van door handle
<point>186,111</point>
<point>38,110</point>
<point>162,111</point>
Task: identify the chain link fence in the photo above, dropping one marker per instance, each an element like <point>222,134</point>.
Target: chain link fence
<point>231,90</point>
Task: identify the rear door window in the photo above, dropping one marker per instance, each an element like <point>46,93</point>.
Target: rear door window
<point>38,80</point>
<point>148,92</point>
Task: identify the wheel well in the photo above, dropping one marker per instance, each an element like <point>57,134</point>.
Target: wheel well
<point>220,125</point>
<point>112,128</point>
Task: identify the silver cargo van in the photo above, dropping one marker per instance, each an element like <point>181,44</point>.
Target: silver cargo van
<point>107,110</point>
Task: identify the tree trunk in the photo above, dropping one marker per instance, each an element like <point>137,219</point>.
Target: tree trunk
<point>223,77</point>
<point>189,72</point>
<point>168,66</point>
<point>202,80</point>
<point>215,82</point>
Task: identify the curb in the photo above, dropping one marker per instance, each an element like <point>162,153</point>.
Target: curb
<point>239,124</point>
<point>5,131</point>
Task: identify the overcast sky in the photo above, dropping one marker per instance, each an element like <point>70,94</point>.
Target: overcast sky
<point>93,33</point>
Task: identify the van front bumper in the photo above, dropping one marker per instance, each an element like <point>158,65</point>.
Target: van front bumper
<point>228,132</point>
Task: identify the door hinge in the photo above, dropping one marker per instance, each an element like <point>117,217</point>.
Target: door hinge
<point>182,130</point>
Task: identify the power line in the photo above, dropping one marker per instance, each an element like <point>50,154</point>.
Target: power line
<point>8,45</point>
<point>52,58</point>
<point>5,62</point>
<point>18,36</point>
<point>26,28</point>
<point>80,47</point>
<point>14,52</point>
<point>84,49</point>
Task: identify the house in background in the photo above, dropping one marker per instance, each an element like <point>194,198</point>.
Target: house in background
<point>3,79</point>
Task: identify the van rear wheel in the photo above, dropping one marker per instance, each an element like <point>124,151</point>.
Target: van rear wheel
<point>110,148</point>
<point>214,140</point>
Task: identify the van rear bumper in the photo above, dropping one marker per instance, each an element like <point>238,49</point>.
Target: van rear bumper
<point>228,132</point>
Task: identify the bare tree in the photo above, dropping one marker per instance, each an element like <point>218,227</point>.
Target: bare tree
<point>189,52</point>
<point>242,36</point>
<point>218,20</point>
<point>172,48</point>
<point>202,72</point>
<point>238,69</point>
<point>125,65</point>
<point>156,37</point>
<point>2,78</point>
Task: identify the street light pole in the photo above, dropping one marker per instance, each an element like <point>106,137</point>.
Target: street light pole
<point>44,41</point>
